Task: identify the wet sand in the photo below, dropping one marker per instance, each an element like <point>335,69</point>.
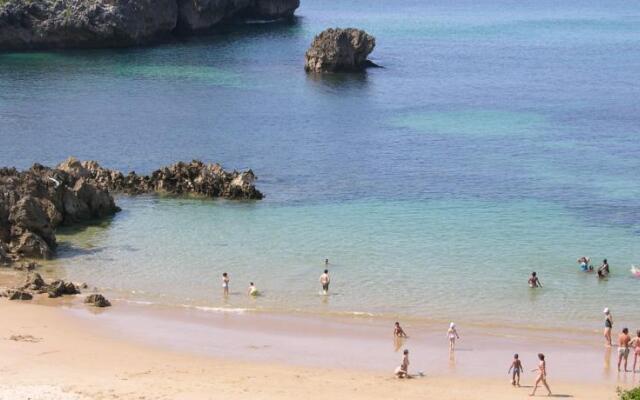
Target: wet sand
<point>135,352</point>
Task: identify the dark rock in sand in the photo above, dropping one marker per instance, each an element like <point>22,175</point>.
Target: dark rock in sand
<point>60,288</point>
<point>34,282</point>
<point>19,295</point>
<point>28,244</point>
<point>335,50</point>
<point>97,300</point>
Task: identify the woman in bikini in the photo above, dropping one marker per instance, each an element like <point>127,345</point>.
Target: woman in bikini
<point>635,344</point>
<point>453,335</point>
<point>542,375</point>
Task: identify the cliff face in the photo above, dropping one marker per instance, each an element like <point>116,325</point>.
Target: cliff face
<point>118,23</point>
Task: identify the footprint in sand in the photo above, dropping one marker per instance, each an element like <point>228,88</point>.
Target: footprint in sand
<point>25,338</point>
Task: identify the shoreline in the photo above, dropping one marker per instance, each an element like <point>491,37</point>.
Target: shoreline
<point>77,353</point>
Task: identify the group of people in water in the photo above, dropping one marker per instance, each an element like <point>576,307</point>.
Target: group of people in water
<point>625,342</point>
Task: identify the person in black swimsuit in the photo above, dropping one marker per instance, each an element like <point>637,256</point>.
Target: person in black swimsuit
<point>608,324</point>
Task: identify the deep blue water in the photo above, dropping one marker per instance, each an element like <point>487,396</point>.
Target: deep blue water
<point>499,137</point>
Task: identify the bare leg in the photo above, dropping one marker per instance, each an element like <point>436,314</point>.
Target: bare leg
<point>518,381</point>
<point>635,358</point>
<point>544,382</point>
<point>626,359</point>
<point>607,336</point>
<point>535,387</point>
<point>619,361</point>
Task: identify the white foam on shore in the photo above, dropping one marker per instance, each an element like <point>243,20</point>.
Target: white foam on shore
<point>218,309</point>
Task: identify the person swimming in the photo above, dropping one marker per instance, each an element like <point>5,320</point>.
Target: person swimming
<point>252,291</point>
<point>534,282</point>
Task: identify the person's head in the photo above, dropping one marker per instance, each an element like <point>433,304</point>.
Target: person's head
<point>625,330</point>
<point>398,325</point>
<point>533,273</point>
<point>406,352</point>
<point>224,274</point>
<point>326,271</point>
<point>250,283</point>
<point>606,311</point>
<point>638,333</point>
<point>541,356</point>
<point>326,261</point>
<point>604,261</point>
<point>515,356</point>
<point>452,326</point>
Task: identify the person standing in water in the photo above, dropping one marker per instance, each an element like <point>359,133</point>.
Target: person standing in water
<point>326,262</point>
<point>516,367</point>
<point>608,325</point>
<point>623,350</point>
<point>603,271</point>
<point>324,281</point>
<point>403,370</point>
<point>452,333</point>
<point>534,282</point>
<point>542,375</point>
<point>252,291</point>
<point>225,284</point>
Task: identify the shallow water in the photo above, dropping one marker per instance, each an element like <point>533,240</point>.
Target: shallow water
<point>499,138</point>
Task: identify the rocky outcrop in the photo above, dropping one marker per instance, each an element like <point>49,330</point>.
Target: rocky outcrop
<point>37,24</point>
<point>195,177</point>
<point>34,202</point>
<point>335,50</point>
<point>13,294</point>
<point>97,300</point>
<point>84,23</point>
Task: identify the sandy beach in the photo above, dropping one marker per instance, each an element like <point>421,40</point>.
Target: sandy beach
<point>66,352</point>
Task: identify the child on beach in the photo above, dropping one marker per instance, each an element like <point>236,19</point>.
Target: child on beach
<point>635,344</point>
<point>398,331</point>
<point>403,370</point>
<point>252,291</point>
<point>516,367</point>
<point>324,281</point>
<point>534,282</point>
<point>225,283</point>
<point>542,375</point>
<point>452,333</point>
<point>608,324</point>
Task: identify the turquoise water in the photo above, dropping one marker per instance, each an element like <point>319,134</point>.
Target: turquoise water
<point>498,139</point>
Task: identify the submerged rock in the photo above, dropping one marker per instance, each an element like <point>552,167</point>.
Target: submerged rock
<point>335,50</point>
<point>97,300</point>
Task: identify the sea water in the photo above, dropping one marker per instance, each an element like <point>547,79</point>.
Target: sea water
<point>500,138</point>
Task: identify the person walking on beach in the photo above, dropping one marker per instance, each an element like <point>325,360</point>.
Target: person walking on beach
<point>403,370</point>
<point>542,375</point>
<point>603,271</point>
<point>623,350</point>
<point>324,281</point>
<point>516,367</point>
<point>534,282</point>
<point>452,333</point>
<point>635,344</point>
<point>398,331</point>
<point>225,284</point>
<point>608,325</point>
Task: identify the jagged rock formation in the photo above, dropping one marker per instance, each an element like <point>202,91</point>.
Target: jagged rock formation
<point>34,284</point>
<point>97,300</point>
<point>34,202</point>
<point>117,23</point>
<point>335,50</point>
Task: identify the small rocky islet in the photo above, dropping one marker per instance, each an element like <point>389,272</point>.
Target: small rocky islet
<point>48,24</point>
<point>340,50</point>
<point>36,201</point>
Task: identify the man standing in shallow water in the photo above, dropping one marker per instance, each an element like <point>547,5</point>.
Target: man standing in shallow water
<point>324,281</point>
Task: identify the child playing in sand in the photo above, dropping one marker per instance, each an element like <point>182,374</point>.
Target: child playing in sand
<point>534,282</point>
<point>398,331</point>
<point>542,375</point>
<point>635,344</point>
<point>225,283</point>
<point>403,370</point>
<point>516,367</point>
<point>452,333</point>
<point>252,291</point>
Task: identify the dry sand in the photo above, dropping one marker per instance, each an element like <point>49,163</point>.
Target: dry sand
<point>47,353</point>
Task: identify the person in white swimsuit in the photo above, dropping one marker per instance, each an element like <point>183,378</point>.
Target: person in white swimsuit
<point>225,284</point>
